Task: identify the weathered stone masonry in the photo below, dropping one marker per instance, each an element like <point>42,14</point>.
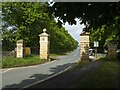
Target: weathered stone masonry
<point>44,45</point>
<point>84,46</point>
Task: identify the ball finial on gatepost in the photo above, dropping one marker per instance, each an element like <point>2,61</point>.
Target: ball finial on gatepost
<point>44,30</point>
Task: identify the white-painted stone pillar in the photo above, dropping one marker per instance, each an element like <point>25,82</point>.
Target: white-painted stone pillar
<point>84,46</point>
<point>19,53</point>
<point>44,45</point>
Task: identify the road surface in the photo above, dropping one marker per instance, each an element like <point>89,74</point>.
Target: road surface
<point>67,79</point>
<point>26,76</point>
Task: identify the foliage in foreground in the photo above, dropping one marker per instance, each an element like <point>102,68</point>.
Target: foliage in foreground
<point>102,20</point>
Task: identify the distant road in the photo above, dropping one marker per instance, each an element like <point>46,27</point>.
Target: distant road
<point>25,76</point>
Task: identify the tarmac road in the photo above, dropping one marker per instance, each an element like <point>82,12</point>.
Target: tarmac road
<point>26,76</point>
<point>67,79</point>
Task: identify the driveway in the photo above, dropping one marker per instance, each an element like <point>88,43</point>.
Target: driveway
<point>26,76</point>
<point>69,78</point>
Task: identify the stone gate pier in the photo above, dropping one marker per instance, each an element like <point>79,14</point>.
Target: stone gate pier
<point>44,45</point>
<point>19,53</point>
<point>84,46</point>
<point>112,49</point>
<point>21,50</point>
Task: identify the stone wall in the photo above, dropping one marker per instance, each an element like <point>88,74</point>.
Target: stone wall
<point>8,53</point>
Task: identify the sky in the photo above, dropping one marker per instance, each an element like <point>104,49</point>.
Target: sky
<point>74,30</point>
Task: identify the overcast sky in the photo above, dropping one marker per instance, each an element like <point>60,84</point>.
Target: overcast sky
<point>75,30</point>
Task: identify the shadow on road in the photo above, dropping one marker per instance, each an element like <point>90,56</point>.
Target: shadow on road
<point>37,77</point>
<point>65,80</point>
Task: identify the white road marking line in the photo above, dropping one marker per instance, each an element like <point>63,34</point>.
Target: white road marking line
<point>7,70</point>
<point>0,70</point>
<point>47,78</point>
<point>76,53</point>
<point>49,62</point>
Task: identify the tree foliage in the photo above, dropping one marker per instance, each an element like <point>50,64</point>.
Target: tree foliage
<point>99,18</point>
<point>26,20</point>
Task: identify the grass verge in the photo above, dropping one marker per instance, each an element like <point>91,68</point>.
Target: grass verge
<point>11,61</point>
<point>106,76</point>
<point>82,64</point>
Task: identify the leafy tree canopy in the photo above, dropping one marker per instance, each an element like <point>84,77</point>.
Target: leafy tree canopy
<point>26,20</point>
<point>98,17</point>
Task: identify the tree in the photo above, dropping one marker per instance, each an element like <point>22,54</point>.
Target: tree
<point>100,35</point>
<point>23,16</point>
<point>93,15</point>
<point>26,20</point>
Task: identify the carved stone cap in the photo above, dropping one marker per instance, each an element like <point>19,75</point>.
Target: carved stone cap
<point>44,30</point>
<point>84,33</point>
<point>44,34</point>
<point>20,41</point>
<point>112,42</point>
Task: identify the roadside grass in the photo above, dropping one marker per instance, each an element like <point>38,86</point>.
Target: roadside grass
<point>106,76</point>
<point>54,56</point>
<point>61,53</point>
<point>12,61</point>
<point>82,64</point>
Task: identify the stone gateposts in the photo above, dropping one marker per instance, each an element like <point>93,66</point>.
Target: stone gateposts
<point>44,45</point>
<point>112,50</point>
<point>84,46</point>
<point>22,51</point>
<point>19,51</point>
